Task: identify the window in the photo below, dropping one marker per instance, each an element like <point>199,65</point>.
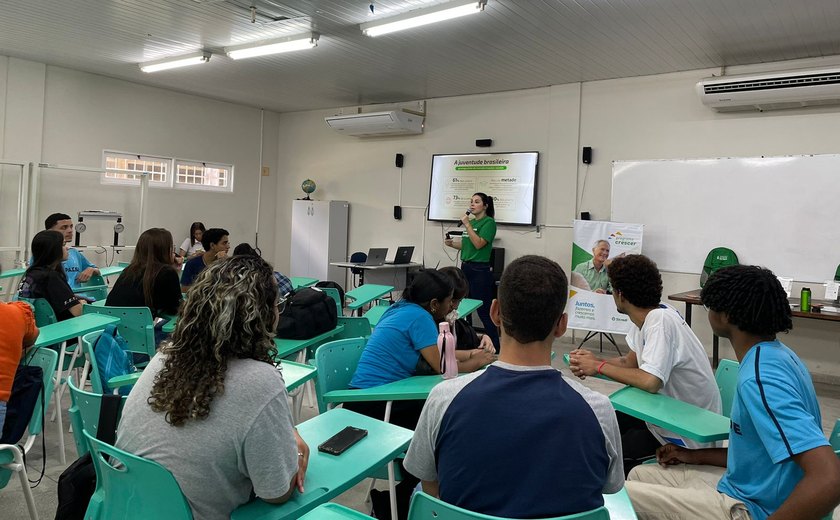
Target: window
<point>124,168</point>
<point>203,176</point>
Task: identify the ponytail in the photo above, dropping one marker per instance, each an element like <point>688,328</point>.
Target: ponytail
<point>487,200</point>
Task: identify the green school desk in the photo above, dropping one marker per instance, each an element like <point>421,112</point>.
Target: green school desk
<point>287,347</point>
<point>467,307</point>
<point>327,475</point>
<point>302,281</point>
<point>296,374</point>
<point>680,417</point>
<point>72,328</point>
<point>365,294</point>
<point>111,270</point>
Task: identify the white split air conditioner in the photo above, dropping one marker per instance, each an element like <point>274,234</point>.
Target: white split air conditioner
<point>772,91</point>
<point>392,122</point>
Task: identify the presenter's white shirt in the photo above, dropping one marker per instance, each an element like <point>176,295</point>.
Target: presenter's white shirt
<point>667,348</point>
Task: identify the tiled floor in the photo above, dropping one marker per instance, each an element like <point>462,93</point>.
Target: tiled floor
<point>13,506</point>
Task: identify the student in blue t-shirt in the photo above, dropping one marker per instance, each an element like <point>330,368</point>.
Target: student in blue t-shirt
<point>77,268</point>
<point>216,245</point>
<point>404,344</point>
<point>779,463</point>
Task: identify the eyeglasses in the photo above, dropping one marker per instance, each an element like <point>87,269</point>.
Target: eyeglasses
<point>280,303</point>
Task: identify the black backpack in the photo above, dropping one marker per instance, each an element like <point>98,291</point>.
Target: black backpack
<point>306,313</point>
<point>333,285</point>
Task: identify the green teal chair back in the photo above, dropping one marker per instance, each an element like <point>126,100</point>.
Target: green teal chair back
<point>95,287</point>
<point>333,293</point>
<point>376,311</point>
<point>837,274</point>
<point>47,359</point>
<point>84,415</point>
<point>131,487</point>
<point>88,342</point>
<point>44,313</point>
<point>136,326</point>
<point>354,327</point>
<point>726,377</point>
<point>834,438</point>
<point>336,362</point>
<point>426,507</point>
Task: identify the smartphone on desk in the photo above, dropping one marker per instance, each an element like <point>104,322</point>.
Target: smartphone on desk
<point>341,441</point>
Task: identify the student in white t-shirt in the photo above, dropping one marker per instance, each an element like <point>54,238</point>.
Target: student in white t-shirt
<point>665,357</point>
<point>191,247</point>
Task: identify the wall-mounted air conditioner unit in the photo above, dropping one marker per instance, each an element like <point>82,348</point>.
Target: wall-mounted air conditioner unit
<point>772,91</point>
<point>391,122</point>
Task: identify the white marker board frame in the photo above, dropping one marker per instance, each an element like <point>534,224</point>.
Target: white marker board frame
<point>510,178</point>
<point>779,212</point>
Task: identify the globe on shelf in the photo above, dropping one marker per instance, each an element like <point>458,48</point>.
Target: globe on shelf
<point>308,186</point>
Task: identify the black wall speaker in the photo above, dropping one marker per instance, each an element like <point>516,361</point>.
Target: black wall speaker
<point>399,160</point>
<point>398,212</point>
<point>586,157</point>
<point>584,215</point>
<point>484,143</point>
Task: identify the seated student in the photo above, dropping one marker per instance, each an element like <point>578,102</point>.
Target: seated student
<point>150,280</point>
<point>216,245</point>
<point>77,268</point>
<point>779,463</point>
<point>566,450</point>
<point>17,333</point>
<point>404,344</point>
<point>211,407</point>
<point>45,278</point>
<point>284,284</point>
<point>465,334</point>
<point>665,357</point>
<point>191,246</point>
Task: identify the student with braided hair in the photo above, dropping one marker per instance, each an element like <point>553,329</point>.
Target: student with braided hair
<point>779,463</point>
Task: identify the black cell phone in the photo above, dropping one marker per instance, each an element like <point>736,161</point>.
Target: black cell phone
<point>341,441</point>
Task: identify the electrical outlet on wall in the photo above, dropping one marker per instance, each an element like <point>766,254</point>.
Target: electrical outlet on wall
<point>539,231</point>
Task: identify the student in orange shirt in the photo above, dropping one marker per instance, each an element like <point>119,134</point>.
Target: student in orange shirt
<point>17,332</point>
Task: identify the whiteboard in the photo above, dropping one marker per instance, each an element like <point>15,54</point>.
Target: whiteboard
<point>778,212</point>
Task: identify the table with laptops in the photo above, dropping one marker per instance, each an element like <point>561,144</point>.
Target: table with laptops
<point>376,270</point>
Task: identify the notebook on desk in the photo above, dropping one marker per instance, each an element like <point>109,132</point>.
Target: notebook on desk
<point>376,256</point>
<point>403,255</point>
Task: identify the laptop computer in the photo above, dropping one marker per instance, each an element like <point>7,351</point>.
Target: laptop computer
<point>376,256</point>
<point>403,255</point>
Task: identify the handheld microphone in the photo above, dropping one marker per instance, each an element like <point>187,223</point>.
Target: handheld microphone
<point>468,213</point>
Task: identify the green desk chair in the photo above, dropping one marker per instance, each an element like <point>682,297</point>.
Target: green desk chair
<point>131,487</point>
<point>376,311</point>
<point>726,377</point>
<point>95,287</point>
<point>332,511</point>
<point>426,507</point>
<point>136,326</point>
<point>92,367</point>
<point>11,457</point>
<point>84,415</point>
<point>336,362</point>
<point>334,294</point>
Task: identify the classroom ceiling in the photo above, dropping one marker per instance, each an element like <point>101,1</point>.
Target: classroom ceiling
<point>511,45</point>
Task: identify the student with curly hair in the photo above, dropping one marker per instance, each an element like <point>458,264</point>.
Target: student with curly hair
<point>665,357</point>
<point>211,407</point>
<point>779,463</point>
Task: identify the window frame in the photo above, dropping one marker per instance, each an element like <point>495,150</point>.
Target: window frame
<point>202,187</point>
<point>105,180</point>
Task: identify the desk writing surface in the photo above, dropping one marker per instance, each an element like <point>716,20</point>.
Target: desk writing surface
<point>677,416</point>
<point>111,270</point>
<point>11,273</point>
<point>73,328</point>
<point>295,374</point>
<point>333,511</point>
<point>327,475</point>
<point>467,307</point>
<point>350,265</point>
<point>287,347</point>
<point>366,293</point>
<point>302,281</point>
<point>408,389</point>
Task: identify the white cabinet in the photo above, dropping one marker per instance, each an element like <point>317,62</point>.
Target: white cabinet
<point>319,236</point>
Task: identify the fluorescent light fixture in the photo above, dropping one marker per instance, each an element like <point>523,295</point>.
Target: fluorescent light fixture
<point>278,45</point>
<point>420,17</point>
<point>175,62</point>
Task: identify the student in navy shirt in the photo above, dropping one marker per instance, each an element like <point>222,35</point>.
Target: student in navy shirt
<point>519,440</point>
<point>779,463</point>
<point>216,245</point>
<point>404,344</point>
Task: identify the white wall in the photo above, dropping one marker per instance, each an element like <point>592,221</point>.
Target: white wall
<point>653,117</point>
<point>60,116</point>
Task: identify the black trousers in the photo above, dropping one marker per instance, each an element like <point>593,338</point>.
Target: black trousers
<point>405,414</point>
<point>637,443</point>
